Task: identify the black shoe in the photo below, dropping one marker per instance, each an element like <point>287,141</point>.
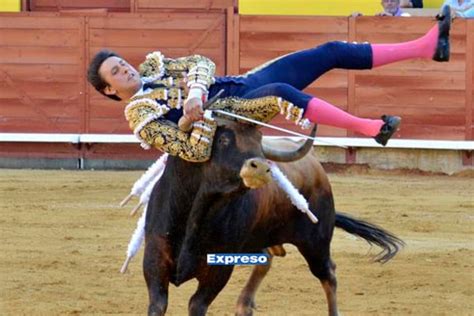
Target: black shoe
<point>388,129</point>
<point>444,25</point>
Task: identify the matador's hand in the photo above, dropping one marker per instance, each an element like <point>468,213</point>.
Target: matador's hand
<point>193,109</point>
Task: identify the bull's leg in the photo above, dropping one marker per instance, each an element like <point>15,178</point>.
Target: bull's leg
<point>157,268</point>
<point>246,301</point>
<point>212,280</point>
<point>187,260</point>
<point>324,269</point>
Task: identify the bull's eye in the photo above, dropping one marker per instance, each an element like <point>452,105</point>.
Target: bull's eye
<point>223,140</point>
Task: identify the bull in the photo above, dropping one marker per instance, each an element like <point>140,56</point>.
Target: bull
<point>230,205</point>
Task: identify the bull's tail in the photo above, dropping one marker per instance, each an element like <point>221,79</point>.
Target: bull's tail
<point>373,234</point>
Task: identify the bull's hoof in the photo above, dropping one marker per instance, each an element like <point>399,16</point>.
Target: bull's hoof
<point>187,265</point>
<point>245,306</point>
<point>155,311</point>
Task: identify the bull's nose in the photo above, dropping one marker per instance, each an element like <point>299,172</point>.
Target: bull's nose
<point>255,173</point>
<point>258,165</point>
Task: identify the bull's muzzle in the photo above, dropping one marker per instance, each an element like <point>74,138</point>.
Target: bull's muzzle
<point>255,173</point>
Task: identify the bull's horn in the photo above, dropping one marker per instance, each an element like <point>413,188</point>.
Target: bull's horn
<point>287,156</point>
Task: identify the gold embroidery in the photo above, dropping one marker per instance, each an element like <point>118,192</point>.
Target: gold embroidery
<point>262,109</point>
<point>195,69</point>
<point>153,66</point>
<point>167,81</point>
<point>291,112</point>
<point>176,97</point>
<point>143,117</point>
<point>138,111</point>
<point>165,136</point>
<point>156,94</point>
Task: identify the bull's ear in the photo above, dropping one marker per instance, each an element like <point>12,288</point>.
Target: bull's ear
<point>287,156</point>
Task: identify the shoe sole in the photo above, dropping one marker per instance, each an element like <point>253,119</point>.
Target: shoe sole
<point>442,52</point>
<point>396,120</point>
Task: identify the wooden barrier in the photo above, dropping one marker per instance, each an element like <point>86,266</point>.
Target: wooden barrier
<point>133,36</point>
<point>44,57</point>
<point>429,96</point>
<point>41,81</point>
<point>434,99</point>
<point>263,38</point>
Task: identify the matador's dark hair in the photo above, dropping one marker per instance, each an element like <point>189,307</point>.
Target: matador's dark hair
<point>93,75</point>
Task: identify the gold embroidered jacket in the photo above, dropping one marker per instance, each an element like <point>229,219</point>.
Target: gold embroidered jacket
<point>146,112</point>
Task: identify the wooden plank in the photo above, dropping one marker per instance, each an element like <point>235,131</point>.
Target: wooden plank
<point>279,41</point>
<point>39,37</point>
<point>82,59</point>
<point>43,90</point>
<point>133,6</point>
<point>424,131</point>
<point>397,96</point>
<point>168,38</point>
<point>146,5</point>
<point>84,12</point>
<point>11,108</point>
<point>34,150</point>
<point>414,114</point>
<point>38,55</point>
<point>26,100</point>
<point>37,21</point>
<point>288,24</point>
<point>412,27</point>
<point>230,41</point>
<point>120,151</point>
<point>213,28</point>
<point>434,80</point>
<point>25,5</point>
<point>42,73</point>
<point>54,5</point>
<point>337,97</point>
<point>111,111</point>
<point>108,126</point>
<point>237,44</point>
<point>40,125</point>
<point>87,88</point>
<point>81,4</point>
<point>194,21</point>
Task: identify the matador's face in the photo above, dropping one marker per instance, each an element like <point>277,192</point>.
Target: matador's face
<point>122,78</point>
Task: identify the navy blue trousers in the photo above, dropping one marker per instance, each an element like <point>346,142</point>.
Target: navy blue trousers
<point>286,76</point>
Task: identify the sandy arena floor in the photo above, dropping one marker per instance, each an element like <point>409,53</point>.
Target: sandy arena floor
<point>63,240</point>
